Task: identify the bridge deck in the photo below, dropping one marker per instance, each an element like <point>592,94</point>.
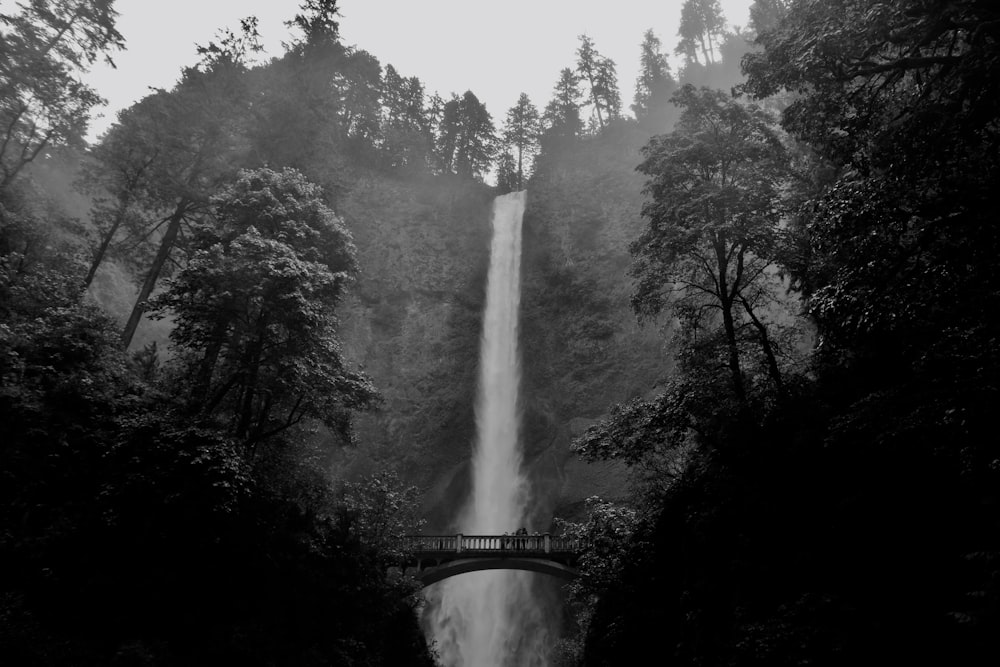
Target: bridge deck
<point>473,546</point>
<point>438,556</point>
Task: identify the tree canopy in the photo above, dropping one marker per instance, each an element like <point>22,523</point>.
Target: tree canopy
<point>46,45</point>
<point>713,214</point>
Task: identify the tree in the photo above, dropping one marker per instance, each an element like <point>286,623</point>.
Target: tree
<point>507,176</point>
<point>702,24</point>
<point>520,136</point>
<point>45,47</point>
<point>128,162</point>
<point>562,113</point>
<point>466,139</point>
<point>117,182</point>
<point>318,107</point>
<point>654,85</point>
<point>256,307</point>
<point>318,23</point>
<point>766,14</point>
<point>406,134</point>
<point>381,511</point>
<point>607,547</point>
<point>901,111</point>
<point>600,74</point>
<point>713,211</point>
<point>190,140</point>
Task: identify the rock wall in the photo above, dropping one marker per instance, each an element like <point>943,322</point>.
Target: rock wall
<point>582,347</point>
<point>414,322</point>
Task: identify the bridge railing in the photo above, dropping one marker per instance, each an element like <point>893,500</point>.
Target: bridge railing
<point>544,543</point>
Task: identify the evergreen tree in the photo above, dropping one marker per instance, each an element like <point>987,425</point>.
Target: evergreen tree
<point>406,136</point>
<point>507,176</point>
<point>599,72</point>
<point>46,46</point>
<point>702,25</point>
<point>191,139</point>
<point>466,136</point>
<point>521,133</point>
<point>318,23</point>
<point>654,85</point>
<point>562,113</point>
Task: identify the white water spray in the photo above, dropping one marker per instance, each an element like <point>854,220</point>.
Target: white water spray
<point>488,619</point>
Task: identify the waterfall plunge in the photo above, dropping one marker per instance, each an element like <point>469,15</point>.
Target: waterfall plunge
<point>489,619</point>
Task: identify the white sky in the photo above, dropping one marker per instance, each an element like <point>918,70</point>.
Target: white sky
<point>496,49</point>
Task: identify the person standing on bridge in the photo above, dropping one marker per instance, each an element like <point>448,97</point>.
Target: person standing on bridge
<point>521,533</point>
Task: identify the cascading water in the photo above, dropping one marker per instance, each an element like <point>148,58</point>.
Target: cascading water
<point>489,619</point>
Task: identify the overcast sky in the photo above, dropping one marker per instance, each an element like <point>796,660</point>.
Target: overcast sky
<point>496,49</point>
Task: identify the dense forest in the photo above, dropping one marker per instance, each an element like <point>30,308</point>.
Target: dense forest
<point>839,506</point>
<point>759,306</point>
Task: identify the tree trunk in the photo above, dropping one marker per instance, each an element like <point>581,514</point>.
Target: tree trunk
<point>250,383</point>
<point>166,244</point>
<point>596,98</point>
<point>203,382</point>
<point>726,302</point>
<point>704,51</point>
<point>520,170</point>
<point>105,243</point>
<point>765,343</point>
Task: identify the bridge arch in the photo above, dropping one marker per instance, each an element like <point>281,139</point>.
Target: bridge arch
<point>436,573</point>
<point>437,557</point>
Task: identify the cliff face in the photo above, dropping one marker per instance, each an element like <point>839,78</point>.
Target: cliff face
<point>582,347</point>
<point>414,322</point>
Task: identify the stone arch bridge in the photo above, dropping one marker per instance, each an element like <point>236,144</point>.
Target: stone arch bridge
<point>437,557</point>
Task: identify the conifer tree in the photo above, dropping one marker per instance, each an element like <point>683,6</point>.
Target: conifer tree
<point>562,113</point>
<point>702,25</point>
<point>600,74</point>
<point>654,85</point>
<point>521,135</point>
<point>44,48</point>
<point>405,133</point>
<point>466,139</point>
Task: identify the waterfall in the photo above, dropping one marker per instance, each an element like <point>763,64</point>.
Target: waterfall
<point>489,619</point>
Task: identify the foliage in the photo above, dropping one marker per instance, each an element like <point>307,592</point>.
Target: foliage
<point>164,159</point>
<point>521,132</point>
<point>43,50</point>
<point>765,15</point>
<point>653,86</point>
<point>256,303</point>
<point>713,214</point>
<point>562,113</point>
<point>407,141</point>
<point>466,137</point>
<point>605,537</point>
<point>858,512</point>
<point>702,25</point>
<point>130,533</point>
<point>639,429</point>
<point>380,511</point>
<point>905,120</point>
<point>601,76</point>
<point>318,22</point>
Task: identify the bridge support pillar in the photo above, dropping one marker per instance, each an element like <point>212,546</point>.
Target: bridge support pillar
<point>458,543</point>
<point>548,543</point>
